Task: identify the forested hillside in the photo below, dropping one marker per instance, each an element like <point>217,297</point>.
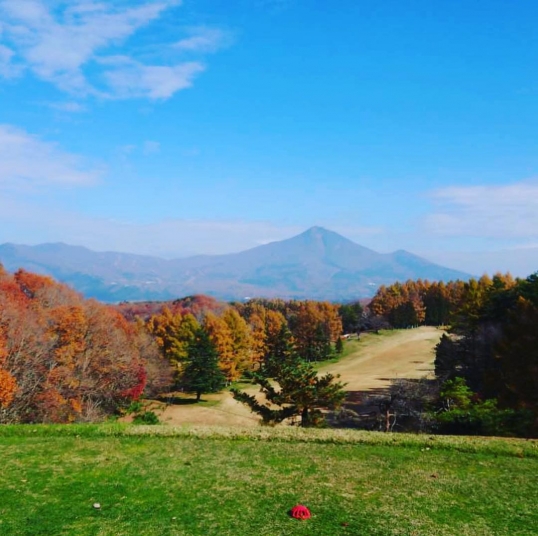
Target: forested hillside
<point>487,364</point>
<point>67,359</point>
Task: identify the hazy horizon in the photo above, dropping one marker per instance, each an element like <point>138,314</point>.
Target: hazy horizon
<point>469,262</point>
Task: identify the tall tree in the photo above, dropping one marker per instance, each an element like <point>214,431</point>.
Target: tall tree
<point>314,325</point>
<point>517,353</point>
<point>279,352</point>
<point>221,336</point>
<point>258,340</point>
<point>350,314</point>
<point>241,340</point>
<point>201,373</point>
<point>173,332</point>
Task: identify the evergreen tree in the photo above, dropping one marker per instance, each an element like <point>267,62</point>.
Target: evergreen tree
<point>201,373</point>
<point>280,349</point>
<point>339,346</point>
<point>301,392</point>
<point>351,314</point>
<point>517,353</point>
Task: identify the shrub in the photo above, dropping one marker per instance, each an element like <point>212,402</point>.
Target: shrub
<point>148,417</point>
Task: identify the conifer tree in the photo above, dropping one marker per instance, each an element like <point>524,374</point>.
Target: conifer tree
<point>339,346</point>
<point>302,393</point>
<point>280,350</point>
<point>201,373</point>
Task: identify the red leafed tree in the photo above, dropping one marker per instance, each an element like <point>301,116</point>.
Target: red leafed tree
<point>62,358</point>
<point>8,384</point>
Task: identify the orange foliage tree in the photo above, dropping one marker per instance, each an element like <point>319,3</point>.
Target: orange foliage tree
<point>63,358</point>
<point>220,335</point>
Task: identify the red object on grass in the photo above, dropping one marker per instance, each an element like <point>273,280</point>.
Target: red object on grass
<point>300,512</point>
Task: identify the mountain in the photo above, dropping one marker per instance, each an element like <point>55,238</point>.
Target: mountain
<point>317,264</point>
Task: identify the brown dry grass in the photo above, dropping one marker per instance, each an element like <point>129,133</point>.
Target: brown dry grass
<point>387,356</point>
<point>227,412</point>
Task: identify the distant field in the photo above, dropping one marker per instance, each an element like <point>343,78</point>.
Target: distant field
<point>368,363</point>
<point>235,481</point>
<point>378,359</point>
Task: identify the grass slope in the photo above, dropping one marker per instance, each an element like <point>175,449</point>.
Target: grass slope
<point>220,481</point>
<point>374,360</point>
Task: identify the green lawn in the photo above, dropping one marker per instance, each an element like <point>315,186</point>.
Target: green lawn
<point>167,481</point>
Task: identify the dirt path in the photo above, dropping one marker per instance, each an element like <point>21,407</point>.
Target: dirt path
<point>378,359</point>
<point>391,355</point>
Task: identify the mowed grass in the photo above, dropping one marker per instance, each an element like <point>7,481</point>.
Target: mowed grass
<point>219,481</point>
<point>377,359</point>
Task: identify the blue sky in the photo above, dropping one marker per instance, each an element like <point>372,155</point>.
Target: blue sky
<point>210,126</point>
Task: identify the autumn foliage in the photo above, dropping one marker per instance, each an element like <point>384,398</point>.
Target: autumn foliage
<point>63,358</point>
<point>415,303</point>
<point>247,337</point>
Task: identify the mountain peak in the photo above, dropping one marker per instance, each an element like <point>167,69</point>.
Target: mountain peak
<point>318,233</point>
<point>316,229</point>
<point>317,264</point>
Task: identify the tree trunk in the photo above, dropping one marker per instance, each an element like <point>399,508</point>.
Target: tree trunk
<point>305,418</point>
<point>198,395</point>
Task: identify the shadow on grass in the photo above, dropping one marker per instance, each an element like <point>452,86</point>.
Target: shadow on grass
<point>179,401</point>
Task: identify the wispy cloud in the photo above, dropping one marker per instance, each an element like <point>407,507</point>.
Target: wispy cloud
<point>27,162</point>
<point>7,68</point>
<point>499,211</point>
<point>170,238</point>
<point>69,107</point>
<point>129,78</point>
<point>76,44</point>
<point>204,39</point>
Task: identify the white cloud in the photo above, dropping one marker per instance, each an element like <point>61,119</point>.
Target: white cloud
<point>129,78</point>
<point>7,68</point>
<point>28,162</point>
<point>70,107</point>
<point>499,211</point>
<point>203,39</point>
<point>75,44</point>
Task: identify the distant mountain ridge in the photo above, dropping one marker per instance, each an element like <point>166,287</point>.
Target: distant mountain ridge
<point>316,264</point>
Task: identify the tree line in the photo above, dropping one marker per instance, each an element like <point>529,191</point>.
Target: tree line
<point>486,365</point>
<point>67,359</point>
<point>248,337</point>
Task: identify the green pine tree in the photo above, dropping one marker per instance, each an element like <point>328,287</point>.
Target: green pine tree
<point>339,346</point>
<point>201,373</point>
<point>279,352</point>
<point>301,393</point>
